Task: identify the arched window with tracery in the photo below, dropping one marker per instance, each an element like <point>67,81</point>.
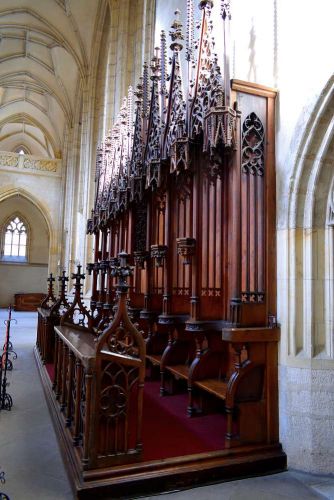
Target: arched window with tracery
<point>15,240</point>
<point>22,150</point>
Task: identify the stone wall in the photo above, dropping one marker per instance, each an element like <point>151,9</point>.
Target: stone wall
<point>36,184</point>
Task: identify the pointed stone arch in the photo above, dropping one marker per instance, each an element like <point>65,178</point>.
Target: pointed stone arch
<point>309,235</point>
<point>306,296</point>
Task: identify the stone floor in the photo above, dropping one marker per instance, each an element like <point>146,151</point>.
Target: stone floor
<point>30,456</point>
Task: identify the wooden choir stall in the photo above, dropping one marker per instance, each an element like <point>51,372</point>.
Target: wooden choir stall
<point>169,377</point>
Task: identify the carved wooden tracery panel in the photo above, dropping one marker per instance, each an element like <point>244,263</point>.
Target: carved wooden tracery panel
<point>212,242</point>
<point>159,247</point>
<point>121,352</point>
<point>181,213</point>
<point>253,145</point>
<point>118,383</point>
<point>253,210</point>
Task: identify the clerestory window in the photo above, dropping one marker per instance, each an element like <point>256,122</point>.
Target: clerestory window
<point>22,150</point>
<point>15,240</point>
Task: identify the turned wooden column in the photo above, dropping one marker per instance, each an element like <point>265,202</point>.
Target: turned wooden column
<point>71,365</point>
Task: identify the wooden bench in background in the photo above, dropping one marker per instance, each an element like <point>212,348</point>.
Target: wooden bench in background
<point>28,301</point>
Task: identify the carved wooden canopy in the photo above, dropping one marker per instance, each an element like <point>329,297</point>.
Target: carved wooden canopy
<point>167,112</point>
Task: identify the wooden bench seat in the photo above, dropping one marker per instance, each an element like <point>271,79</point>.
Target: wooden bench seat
<point>214,386</point>
<point>179,371</point>
<point>155,359</point>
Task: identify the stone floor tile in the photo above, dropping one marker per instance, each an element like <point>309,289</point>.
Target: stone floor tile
<point>326,489</point>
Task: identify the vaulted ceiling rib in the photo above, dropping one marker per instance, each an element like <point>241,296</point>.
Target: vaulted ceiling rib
<point>44,50</point>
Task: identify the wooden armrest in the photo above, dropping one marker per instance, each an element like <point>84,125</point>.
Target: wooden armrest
<point>82,344</point>
<point>247,334</point>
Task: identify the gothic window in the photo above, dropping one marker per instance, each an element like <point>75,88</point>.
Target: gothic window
<point>15,240</point>
<point>22,150</point>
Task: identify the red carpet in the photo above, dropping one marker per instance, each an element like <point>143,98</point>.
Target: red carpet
<point>168,431</point>
<point>51,371</point>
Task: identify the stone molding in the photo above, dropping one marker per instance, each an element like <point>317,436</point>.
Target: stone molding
<point>29,163</point>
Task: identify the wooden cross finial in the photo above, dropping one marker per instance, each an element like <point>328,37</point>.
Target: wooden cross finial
<point>78,276</point>
<point>63,279</point>
<point>50,279</point>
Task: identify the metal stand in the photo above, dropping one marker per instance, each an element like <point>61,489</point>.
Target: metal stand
<point>6,364</point>
<point>3,496</point>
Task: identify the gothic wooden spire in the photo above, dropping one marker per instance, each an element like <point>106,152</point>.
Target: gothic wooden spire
<point>136,162</point>
<point>226,16</point>
<point>153,144</point>
<point>165,121</point>
<point>176,116</point>
<point>190,31</point>
<point>163,80</point>
<point>202,85</point>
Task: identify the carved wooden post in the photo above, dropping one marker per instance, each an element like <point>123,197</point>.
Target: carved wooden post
<point>54,384</point>
<point>59,367</point>
<point>109,292</point>
<point>64,377</point>
<point>194,299</point>
<point>91,269</point>
<point>235,234</point>
<point>77,403</point>
<point>87,422</point>
<point>69,415</point>
<point>99,268</point>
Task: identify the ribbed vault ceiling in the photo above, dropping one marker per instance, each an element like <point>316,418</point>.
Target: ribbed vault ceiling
<point>44,52</point>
